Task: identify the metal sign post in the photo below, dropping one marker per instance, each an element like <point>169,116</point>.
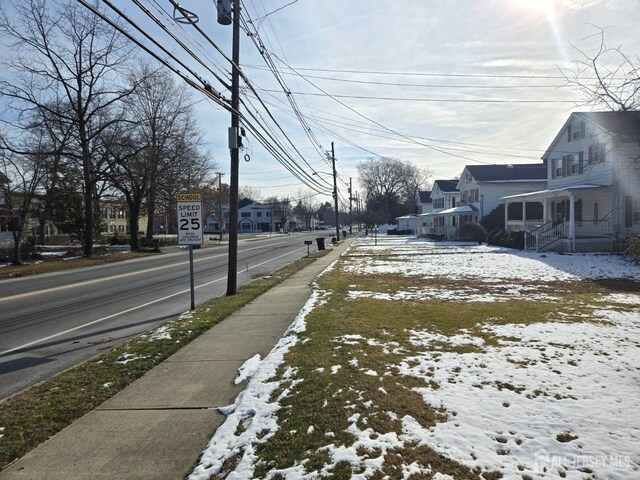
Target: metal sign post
<point>189,211</point>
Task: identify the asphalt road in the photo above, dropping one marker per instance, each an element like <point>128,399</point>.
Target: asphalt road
<point>51,322</point>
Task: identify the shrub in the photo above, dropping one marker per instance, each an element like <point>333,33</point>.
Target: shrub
<point>472,232</point>
<point>396,231</point>
<point>632,248</point>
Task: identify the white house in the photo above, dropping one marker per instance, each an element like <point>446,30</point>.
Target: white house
<point>425,205</point>
<point>440,221</point>
<point>408,222</point>
<point>256,217</point>
<point>483,186</point>
<point>592,197</point>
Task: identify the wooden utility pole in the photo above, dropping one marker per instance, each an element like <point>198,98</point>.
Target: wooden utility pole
<point>335,191</point>
<point>350,209</point>
<point>234,140</point>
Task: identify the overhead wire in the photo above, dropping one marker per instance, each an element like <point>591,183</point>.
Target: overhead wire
<point>205,88</point>
<point>255,37</point>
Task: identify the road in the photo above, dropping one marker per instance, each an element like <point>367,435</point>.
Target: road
<point>51,322</point>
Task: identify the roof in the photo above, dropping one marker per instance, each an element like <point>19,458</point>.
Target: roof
<point>447,186</point>
<point>501,173</point>
<point>425,196</point>
<point>461,210</point>
<point>625,123</point>
<point>555,192</point>
<point>244,202</point>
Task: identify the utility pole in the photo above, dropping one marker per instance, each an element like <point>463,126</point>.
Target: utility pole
<point>350,209</point>
<point>234,139</point>
<point>335,191</point>
<point>220,174</point>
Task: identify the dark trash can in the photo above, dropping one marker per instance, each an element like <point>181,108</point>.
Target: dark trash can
<point>344,234</point>
<point>320,242</point>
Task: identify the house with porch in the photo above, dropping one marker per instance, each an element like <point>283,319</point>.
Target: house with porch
<point>441,221</point>
<point>483,186</point>
<point>592,198</point>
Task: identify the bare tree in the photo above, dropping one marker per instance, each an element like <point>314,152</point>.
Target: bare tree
<point>305,208</point>
<point>606,76</point>
<point>247,191</point>
<point>26,169</point>
<point>66,64</point>
<point>391,186</point>
<point>280,209</point>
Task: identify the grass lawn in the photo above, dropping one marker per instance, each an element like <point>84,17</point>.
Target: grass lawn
<point>30,417</point>
<point>400,370</point>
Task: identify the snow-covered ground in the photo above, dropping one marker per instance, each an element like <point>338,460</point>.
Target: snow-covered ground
<point>549,400</point>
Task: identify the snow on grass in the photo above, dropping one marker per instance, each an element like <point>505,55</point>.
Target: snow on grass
<point>247,369</point>
<point>546,400</point>
<point>513,401</point>
<point>492,264</point>
<point>253,412</point>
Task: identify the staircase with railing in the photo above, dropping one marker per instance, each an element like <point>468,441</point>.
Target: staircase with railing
<point>542,237</point>
<point>592,235</point>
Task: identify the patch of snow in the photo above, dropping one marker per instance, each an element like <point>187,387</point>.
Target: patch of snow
<point>247,369</point>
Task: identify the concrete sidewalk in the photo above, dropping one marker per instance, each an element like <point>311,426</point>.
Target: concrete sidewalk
<point>157,427</point>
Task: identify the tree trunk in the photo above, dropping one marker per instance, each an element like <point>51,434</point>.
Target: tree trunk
<point>134,215</point>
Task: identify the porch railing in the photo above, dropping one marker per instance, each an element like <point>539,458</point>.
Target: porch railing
<point>545,235</point>
<point>527,226</point>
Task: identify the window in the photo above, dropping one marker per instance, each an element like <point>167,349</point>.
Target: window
<point>245,214</point>
<point>631,211</point>
<point>259,214</point>
<point>575,166</point>
<point>557,168</point>
<point>567,161</point>
<point>596,153</point>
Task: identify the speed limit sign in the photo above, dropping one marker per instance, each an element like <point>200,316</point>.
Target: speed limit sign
<point>189,218</point>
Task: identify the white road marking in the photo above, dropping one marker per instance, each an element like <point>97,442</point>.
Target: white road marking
<point>99,320</point>
<point>114,277</point>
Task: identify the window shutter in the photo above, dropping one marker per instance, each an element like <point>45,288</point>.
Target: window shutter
<point>582,130</point>
<point>590,159</point>
<point>581,161</point>
<point>628,211</point>
<point>569,133</point>
<point>564,165</point>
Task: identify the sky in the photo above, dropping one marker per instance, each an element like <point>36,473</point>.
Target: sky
<point>565,387</point>
<point>441,84</point>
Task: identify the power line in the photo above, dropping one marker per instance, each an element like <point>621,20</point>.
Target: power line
<point>420,85</point>
<point>420,74</point>
<point>431,100</point>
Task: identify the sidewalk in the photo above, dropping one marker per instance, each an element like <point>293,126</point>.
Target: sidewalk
<point>157,427</point>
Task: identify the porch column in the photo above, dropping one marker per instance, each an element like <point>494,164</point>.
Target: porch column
<point>524,215</point>
<point>506,215</point>
<point>572,221</point>
<point>545,211</point>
